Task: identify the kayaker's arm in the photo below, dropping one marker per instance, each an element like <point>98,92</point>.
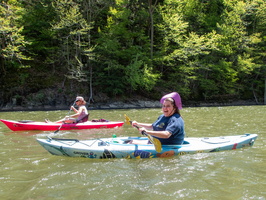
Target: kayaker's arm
<point>74,109</point>
<point>160,134</point>
<point>144,125</point>
<point>77,112</point>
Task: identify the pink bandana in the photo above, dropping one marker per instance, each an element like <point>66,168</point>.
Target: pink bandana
<point>176,97</point>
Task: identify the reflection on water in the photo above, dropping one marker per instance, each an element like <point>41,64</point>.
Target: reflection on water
<point>30,172</point>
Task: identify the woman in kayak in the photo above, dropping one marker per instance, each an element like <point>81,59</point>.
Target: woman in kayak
<point>81,115</point>
<point>169,127</point>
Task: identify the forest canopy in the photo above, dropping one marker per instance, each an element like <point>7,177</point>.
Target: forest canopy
<point>52,50</point>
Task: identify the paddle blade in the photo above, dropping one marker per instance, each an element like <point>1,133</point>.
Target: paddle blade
<point>157,143</point>
<point>56,131</point>
<point>59,128</point>
<point>127,119</point>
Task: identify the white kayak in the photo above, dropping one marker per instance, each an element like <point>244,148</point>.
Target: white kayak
<point>119,147</point>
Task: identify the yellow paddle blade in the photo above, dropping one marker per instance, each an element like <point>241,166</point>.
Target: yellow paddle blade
<point>157,143</point>
<point>127,119</point>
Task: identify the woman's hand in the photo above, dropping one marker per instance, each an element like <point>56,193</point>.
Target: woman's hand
<point>141,130</point>
<point>134,123</point>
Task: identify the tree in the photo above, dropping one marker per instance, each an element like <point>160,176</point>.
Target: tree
<point>205,50</point>
<point>12,49</point>
<point>186,52</point>
<point>123,48</point>
<point>210,55</point>
<point>239,44</point>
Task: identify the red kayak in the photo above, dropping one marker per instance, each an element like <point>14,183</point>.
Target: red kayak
<point>28,125</point>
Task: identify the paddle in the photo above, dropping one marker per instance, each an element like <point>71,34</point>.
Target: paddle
<point>64,122</point>
<point>157,144</point>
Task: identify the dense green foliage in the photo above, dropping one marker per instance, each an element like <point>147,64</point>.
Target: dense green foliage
<point>204,49</point>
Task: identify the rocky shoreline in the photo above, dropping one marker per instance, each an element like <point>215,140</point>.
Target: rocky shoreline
<point>139,104</point>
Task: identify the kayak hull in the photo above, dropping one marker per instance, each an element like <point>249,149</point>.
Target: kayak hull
<point>43,126</point>
<point>119,148</point>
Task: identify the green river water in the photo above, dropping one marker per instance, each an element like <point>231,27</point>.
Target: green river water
<point>29,172</point>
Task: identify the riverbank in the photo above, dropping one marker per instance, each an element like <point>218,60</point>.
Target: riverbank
<point>139,104</point>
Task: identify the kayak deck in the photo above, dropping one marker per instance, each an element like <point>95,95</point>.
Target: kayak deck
<point>120,148</point>
<point>51,126</point>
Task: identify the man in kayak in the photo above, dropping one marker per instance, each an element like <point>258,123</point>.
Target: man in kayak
<point>169,127</point>
<point>81,115</point>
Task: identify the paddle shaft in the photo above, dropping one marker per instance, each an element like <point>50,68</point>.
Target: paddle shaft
<point>142,132</point>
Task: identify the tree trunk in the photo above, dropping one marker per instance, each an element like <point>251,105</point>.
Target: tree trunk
<point>151,9</point>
